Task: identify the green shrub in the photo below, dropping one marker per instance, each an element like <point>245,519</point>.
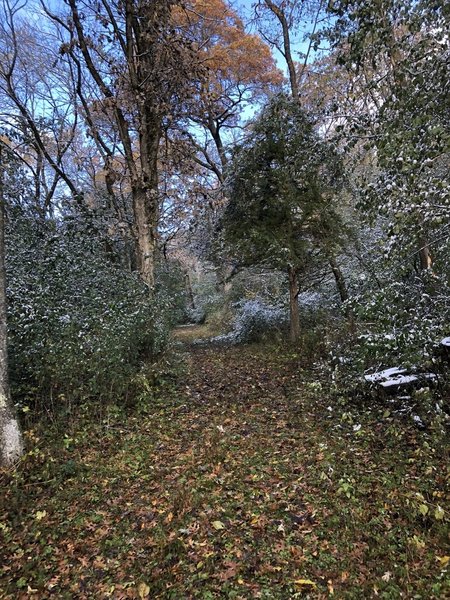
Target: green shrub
<point>399,325</point>
<point>80,326</point>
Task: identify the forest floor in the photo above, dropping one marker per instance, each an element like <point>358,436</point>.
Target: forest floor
<point>243,479</point>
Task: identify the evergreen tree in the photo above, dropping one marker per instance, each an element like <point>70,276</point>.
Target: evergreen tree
<point>281,186</point>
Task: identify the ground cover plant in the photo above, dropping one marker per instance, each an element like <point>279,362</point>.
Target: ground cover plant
<point>246,479</point>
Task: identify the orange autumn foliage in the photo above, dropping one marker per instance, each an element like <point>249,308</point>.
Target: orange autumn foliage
<point>232,56</point>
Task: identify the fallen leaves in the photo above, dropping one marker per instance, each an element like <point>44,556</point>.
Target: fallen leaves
<point>219,491</point>
<point>439,513</point>
<point>305,583</point>
<point>230,572</point>
<point>443,560</point>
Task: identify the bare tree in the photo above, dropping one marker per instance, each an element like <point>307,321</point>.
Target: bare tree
<point>38,102</point>
<point>133,70</point>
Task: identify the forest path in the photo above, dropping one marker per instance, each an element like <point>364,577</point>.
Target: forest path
<point>237,482</point>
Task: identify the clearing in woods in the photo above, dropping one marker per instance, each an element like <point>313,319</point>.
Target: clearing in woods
<point>243,479</point>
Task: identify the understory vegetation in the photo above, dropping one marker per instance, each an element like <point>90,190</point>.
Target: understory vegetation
<point>76,316</point>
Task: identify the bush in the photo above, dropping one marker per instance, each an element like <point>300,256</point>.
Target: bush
<point>399,325</point>
<point>169,277</point>
<point>196,316</point>
<point>79,325</point>
<point>254,320</point>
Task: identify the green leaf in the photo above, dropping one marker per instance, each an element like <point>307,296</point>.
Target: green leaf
<point>143,590</point>
<point>439,513</point>
<point>218,525</point>
<point>21,583</point>
<point>423,509</point>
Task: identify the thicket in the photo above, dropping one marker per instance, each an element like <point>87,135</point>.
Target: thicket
<point>80,325</point>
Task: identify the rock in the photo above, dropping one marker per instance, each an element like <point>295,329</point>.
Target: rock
<point>397,379</point>
<point>385,375</point>
<point>444,347</point>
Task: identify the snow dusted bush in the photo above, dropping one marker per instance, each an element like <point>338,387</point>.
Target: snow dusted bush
<point>408,319</point>
<point>400,325</point>
<point>79,325</point>
<point>254,319</point>
<point>195,315</point>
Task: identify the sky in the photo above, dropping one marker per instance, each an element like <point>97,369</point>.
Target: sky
<point>298,44</point>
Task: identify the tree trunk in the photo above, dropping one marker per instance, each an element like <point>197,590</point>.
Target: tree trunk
<point>339,277</point>
<point>189,292</point>
<point>11,445</point>
<point>343,291</point>
<point>225,274</point>
<point>426,261</point>
<point>294,316</point>
<point>214,130</point>
<point>145,208</point>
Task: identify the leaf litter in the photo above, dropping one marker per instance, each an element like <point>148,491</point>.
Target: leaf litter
<point>238,483</point>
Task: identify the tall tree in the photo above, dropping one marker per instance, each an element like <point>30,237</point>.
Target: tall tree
<point>11,445</point>
<point>134,68</point>
<point>281,187</point>
<point>297,22</point>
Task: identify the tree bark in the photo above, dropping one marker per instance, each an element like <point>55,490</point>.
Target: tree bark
<point>189,292</point>
<point>426,261</point>
<point>11,444</point>
<point>145,221</point>
<point>214,130</point>
<point>294,316</point>
<point>339,277</point>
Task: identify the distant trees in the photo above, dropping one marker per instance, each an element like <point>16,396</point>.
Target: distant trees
<point>240,71</point>
<point>281,196</point>
<point>38,98</point>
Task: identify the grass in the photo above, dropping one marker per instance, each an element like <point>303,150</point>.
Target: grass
<point>246,480</point>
